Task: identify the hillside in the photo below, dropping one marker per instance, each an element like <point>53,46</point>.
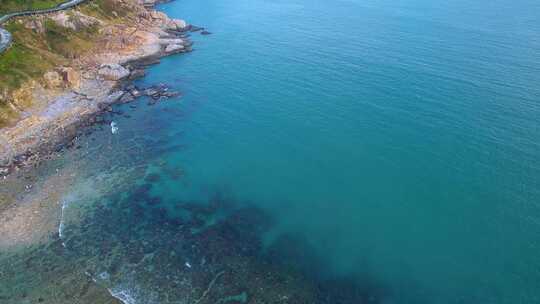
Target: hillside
<point>8,6</point>
<point>43,43</point>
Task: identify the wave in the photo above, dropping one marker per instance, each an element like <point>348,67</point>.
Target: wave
<point>123,295</point>
<point>61,226</point>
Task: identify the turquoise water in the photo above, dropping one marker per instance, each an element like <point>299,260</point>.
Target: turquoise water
<point>392,146</point>
<point>401,140</point>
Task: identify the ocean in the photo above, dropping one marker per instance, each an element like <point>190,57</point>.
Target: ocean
<point>353,151</point>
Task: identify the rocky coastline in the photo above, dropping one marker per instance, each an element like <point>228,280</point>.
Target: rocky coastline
<point>72,98</point>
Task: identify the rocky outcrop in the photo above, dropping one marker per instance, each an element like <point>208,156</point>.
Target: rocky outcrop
<point>35,24</point>
<point>63,77</point>
<point>70,77</point>
<point>113,71</point>
<point>165,22</point>
<point>174,48</point>
<point>74,20</point>
<point>177,24</point>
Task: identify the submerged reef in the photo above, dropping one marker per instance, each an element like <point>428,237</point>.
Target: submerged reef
<point>134,247</point>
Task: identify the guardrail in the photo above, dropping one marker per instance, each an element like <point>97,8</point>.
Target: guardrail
<point>6,37</point>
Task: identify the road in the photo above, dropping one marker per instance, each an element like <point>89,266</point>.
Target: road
<point>5,36</point>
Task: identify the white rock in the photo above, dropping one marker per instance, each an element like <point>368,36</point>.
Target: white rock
<point>113,71</point>
<point>173,48</point>
<point>168,41</point>
<point>177,24</point>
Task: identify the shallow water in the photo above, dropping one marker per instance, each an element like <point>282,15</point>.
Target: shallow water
<point>385,152</point>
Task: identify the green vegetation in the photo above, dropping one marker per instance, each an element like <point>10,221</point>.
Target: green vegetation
<point>110,10</point>
<point>24,60</point>
<point>9,6</point>
<point>41,45</point>
<point>34,52</point>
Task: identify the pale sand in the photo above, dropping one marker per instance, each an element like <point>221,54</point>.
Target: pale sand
<point>35,217</point>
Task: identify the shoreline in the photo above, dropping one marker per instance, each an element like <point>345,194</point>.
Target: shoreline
<point>101,84</point>
<point>40,136</point>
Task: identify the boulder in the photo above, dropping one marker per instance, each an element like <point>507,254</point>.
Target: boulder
<point>53,80</point>
<point>177,25</point>
<point>159,15</point>
<point>70,77</point>
<point>127,98</point>
<point>113,71</point>
<point>194,28</point>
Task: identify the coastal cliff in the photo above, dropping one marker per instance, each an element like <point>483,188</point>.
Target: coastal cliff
<point>64,68</point>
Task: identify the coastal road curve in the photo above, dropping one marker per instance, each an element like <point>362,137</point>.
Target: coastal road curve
<point>6,37</point>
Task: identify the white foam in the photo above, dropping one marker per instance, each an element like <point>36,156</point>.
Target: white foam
<point>61,226</point>
<point>114,128</point>
<point>104,275</point>
<point>122,295</point>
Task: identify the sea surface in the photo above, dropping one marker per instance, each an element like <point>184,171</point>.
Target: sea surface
<point>345,151</point>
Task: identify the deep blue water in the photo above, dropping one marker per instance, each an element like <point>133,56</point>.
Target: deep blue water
<point>396,143</point>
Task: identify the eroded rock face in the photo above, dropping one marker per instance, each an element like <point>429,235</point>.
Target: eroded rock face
<point>113,72</point>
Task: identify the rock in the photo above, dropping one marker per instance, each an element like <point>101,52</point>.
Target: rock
<point>167,41</point>
<point>159,15</point>
<point>63,77</point>
<point>205,33</point>
<point>4,170</point>
<point>137,73</point>
<point>177,24</point>
<point>126,98</point>
<point>149,3</point>
<point>53,80</point>
<point>151,91</point>
<point>174,48</point>
<point>194,28</point>
<point>70,77</point>
<point>170,94</point>
<point>74,20</point>
<point>131,87</point>
<point>35,25</point>
<point>113,72</point>
<point>135,93</point>
<point>159,92</point>
<point>104,107</point>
